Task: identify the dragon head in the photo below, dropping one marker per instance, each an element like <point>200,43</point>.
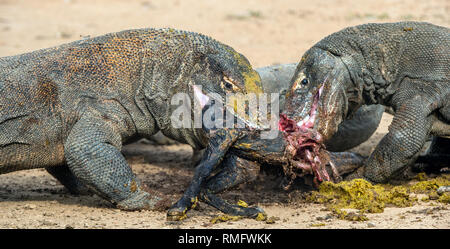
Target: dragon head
<point>185,75</point>
<point>317,98</point>
<point>229,75</point>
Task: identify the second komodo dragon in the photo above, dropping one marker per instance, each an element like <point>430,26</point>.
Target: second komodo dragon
<point>403,66</point>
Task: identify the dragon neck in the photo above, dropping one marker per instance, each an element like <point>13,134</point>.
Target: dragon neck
<point>369,84</point>
<point>353,86</point>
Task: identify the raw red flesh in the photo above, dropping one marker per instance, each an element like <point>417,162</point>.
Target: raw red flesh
<point>305,150</point>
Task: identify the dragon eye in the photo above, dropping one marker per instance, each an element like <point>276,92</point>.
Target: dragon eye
<point>228,83</point>
<point>301,80</point>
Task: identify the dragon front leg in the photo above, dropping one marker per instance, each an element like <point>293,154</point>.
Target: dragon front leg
<point>63,174</point>
<point>92,151</point>
<point>236,171</point>
<point>401,146</point>
<point>215,152</point>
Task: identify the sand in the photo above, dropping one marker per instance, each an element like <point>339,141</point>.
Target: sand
<point>267,32</point>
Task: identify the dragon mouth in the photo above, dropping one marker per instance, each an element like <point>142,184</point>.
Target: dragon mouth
<point>203,99</point>
<point>310,119</point>
<point>305,150</point>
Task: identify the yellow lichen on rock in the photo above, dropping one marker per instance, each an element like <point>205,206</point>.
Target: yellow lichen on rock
<point>444,198</point>
<point>351,216</point>
<point>362,195</point>
<point>357,194</point>
<point>223,218</point>
<point>272,220</point>
<point>428,185</point>
<point>421,176</point>
<point>368,198</point>
<point>399,196</point>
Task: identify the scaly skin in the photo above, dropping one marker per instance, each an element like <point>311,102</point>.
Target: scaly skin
<point>242,164</point>
<point>70,108</point>
<point>351,132</point>
<point>403,66</point>
<point>246,155</point>
<point>400,65</point>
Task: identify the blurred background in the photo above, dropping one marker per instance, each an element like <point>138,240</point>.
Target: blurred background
<point>267,32</point>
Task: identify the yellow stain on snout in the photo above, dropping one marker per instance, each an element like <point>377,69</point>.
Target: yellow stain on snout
<point>252,84</point>
<point>252,81</point>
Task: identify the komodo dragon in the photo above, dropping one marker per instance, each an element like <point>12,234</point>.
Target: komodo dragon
<point>404,66</point>
<point>401,65</point>
<point>70,108</point>
<point>244,158</point>
<point>277,79</point>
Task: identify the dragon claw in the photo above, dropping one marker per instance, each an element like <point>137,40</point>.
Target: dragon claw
<point>176,215</point>
<point>178,211</point>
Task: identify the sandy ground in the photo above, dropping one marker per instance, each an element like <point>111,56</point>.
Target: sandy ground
<point>267,32</point>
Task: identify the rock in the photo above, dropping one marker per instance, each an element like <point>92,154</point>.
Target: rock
<point>442,189</point>
<point>48,223</point>
<point>370,224</point>
<point>326,217</point>
<point>29,206</point>
<point>433,196</point>
<point>271,220</point>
